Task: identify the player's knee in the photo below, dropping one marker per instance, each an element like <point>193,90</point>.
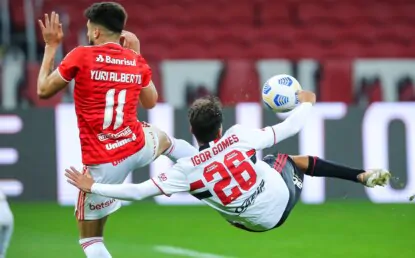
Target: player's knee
<point>164,142</point>
<point>302,162</point>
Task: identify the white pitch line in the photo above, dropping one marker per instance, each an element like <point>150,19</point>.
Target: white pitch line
<point>185,252</point>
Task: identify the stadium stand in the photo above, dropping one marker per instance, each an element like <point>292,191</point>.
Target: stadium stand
<point>331,32</point>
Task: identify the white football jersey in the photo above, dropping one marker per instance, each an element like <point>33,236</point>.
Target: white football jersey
<point>227,176</point>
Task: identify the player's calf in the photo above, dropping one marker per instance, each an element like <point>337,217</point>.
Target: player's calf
<point>314,166</point>
<point>92,241</point>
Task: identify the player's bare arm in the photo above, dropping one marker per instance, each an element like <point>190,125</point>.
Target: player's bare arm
<point>148,96</point>
<point>49,82</point>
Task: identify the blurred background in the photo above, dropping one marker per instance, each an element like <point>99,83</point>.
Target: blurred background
<point>357,55</point>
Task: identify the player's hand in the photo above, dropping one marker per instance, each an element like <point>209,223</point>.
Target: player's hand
<point>306,96</point>
<point>129,40</point>
<point>82,181</point>
<point>51,30</point>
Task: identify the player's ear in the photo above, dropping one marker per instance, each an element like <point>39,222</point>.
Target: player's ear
<point>220,131</point>
<point>96,33</point>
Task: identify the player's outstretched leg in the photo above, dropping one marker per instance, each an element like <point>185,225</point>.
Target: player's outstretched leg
<point>314,166</point>
<point>6,226</point>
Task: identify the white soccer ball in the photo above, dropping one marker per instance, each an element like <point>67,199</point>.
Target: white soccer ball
<point>279,93</point>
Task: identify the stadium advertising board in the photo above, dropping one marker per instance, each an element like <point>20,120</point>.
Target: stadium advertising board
<point>36,145</point>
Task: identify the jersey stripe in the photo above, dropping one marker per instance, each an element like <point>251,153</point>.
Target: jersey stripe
<point>196,185</point>
<point>202,195</point>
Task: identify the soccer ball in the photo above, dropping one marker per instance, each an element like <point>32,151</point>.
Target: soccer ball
<point>279,93</point>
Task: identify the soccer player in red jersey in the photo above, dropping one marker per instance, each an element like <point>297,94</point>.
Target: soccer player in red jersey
<point>110,82</point>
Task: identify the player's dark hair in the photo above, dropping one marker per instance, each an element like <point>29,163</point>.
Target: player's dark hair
<point>205,117</point>
<point>110,15</point>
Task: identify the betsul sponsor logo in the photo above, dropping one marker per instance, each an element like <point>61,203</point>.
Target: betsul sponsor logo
<point>102,205</point>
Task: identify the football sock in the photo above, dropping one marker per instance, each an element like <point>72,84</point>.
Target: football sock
<point>323,168</point>
<point>179,149</point>
<point>94,247</point>
<point>6,227</point>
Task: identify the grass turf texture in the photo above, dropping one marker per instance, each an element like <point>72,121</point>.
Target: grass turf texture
<point>336,229</point>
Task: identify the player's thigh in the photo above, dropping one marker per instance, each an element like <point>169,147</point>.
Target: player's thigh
<point>293,178</point>
<point>156,142</point>
<point>163,140</point>
<point>91,209</point>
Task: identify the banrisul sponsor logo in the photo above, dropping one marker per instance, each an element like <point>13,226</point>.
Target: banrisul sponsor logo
<point>116,61</point>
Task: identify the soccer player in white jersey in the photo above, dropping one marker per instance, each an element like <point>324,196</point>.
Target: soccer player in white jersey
<point>255,195</point>
<point>6,225</point>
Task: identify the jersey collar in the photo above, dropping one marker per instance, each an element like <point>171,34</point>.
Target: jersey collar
<point>208,145</point>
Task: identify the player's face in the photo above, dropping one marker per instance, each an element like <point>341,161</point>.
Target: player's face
<point>92,33</point>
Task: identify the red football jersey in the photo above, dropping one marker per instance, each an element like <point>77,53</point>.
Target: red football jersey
<point>108,82</point>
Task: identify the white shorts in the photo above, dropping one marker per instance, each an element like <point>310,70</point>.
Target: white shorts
<point>93,207</point>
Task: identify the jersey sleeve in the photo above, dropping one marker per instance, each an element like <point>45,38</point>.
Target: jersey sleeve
<point>257,138</point>
<point>146,72</point>
<point>271,135</point>
<point>70,65</point>
<point>172,181</point>
<point>127,192</point>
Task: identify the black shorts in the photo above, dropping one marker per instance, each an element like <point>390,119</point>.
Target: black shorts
<point>293,178</point>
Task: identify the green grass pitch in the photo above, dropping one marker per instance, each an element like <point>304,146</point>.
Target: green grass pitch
<point>336,229</point>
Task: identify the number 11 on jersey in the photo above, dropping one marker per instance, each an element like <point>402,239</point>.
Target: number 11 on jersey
<point>109,109</point>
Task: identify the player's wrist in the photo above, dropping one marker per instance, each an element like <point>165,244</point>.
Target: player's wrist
<point>52,47</point>
<point>92,188</point>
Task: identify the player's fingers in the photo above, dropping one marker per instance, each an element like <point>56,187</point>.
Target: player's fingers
<point>76,171</point>
<point>57,22</point>
<point>71,175</point>
<point>52,19</point>
<point>70,178</point>
<point>72,183</point>
<point>75,176</point>
<point>41,25</point>
<point>47,22</point>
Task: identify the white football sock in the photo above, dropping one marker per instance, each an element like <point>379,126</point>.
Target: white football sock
<point>94,247</point>
<point>6,227</point>
<point>179,149</point>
